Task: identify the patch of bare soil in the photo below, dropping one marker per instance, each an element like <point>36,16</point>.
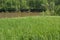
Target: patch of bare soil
<point>18,14</point>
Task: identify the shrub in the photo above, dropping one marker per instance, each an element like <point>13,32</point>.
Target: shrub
<point>57,10</point>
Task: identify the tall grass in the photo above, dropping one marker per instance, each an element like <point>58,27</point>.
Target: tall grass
<point>30,28</point>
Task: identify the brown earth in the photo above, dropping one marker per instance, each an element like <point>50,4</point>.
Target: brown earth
<point>18,14</point>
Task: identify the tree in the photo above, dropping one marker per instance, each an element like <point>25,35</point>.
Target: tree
<point>57,7</point>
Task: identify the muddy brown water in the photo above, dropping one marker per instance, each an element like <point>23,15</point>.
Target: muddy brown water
<point>18,14</point>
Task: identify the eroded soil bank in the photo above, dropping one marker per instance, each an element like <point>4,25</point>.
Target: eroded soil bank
<point>18,14</point>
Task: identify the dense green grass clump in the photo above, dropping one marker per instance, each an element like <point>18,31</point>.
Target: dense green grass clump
<point>30,28</point>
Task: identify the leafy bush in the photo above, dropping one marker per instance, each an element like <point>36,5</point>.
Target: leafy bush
<point>20,4</point>
<point>57,10</point>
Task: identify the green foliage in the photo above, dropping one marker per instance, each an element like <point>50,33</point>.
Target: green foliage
<point>50,5</point>
<point>35,4</point>
<point>57,10</point>
<point>23,4</point>
<point>57,2</point>
<point>20,4</point>
<point>30,28</point>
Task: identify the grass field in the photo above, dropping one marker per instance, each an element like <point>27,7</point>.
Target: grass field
<point>30,28</point>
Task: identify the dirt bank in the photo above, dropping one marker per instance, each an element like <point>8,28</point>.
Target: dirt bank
<point>18,14</point>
